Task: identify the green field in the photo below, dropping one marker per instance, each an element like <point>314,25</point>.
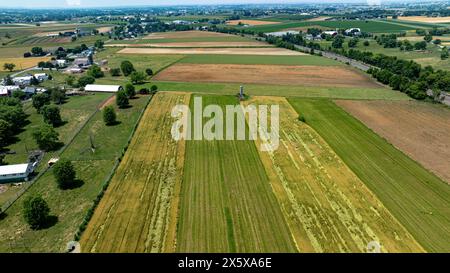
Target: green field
<point>285,91</point>
<point>70,206</point>
<point>253,59</point>
<point>366,26</point>
<point>417,198</point>
<point>227,204</point>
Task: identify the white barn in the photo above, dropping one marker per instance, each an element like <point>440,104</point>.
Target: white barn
<point>15,173</point>
<point>103,88</point>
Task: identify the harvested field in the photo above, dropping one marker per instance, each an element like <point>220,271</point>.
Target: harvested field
<point>227,204</point>
<point>421,130</point>
<point>320,18</point>
<point>228,51</point>
<point>251,22</point>
<point>45,34</point>
<point>425,19</point>
<point>267,74</point>
<point>328,208</point>
<point>22,63</point>
<point>418,199</point>
<point>138,212</point>
<point>197,44</point>
<point>104,29</point>
<point>185,34</point>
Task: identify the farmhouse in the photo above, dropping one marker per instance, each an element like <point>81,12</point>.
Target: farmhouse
<point>41,76</point>
<point>25,80</point>
<point>16,173</point>
<point>7,90</point>
<point>103,88</point>
<point>82,62</point>
<point>61,63</point>
<point>353,32</point>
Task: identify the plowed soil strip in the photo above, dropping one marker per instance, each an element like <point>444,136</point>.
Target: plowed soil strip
<point>307,75</point>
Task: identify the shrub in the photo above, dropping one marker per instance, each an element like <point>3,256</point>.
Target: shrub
<point>109,115</point>
<point>127,68</point>
<point>122,99</point>
<point>144,91</point>
<point>85,80</point>
<point>149,72</point>
<point>302,118</point>
<point>154,89</point>
<point>115,72</point>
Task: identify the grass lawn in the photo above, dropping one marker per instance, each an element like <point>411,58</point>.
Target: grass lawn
<point>274,90</point>
<point>252,59</point>
<point>70,206</point>
<point>227,204</point>
<point>417,198</point>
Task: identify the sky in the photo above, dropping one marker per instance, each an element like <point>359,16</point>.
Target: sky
<point>107,3</point>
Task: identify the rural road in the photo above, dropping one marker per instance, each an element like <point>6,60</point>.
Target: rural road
<point>340,58</point>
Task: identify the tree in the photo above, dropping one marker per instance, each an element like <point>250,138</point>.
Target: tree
<point>366,43</point>
<point>37,51</point>
<point>115,72</point>
<point>444,54</point>
<point>95,71</point>
<point>46,138</point>
<point>64,174</point>
<point>130,90</point>
<point>70,80</point>
<point>19,94</point>
<point>149,72</point>
<point>51,115</point>
<point>8,80</point>
<point>137,77</point>
<point>122,99</point>
<point>437,42</point>
<point>9,66</point>
<point>127,68</point>
<point>109,115</point>
<point>36,212</point>
<point>57,95</point>
<point>428,38</point>
<point>353,42</point>
<point>99,44</point>
<point>39,100</point>
<point>85,80</point>
<point>338,41</point>
<point>154,89</point>
<point>5,131</point>
<point>420,45</point>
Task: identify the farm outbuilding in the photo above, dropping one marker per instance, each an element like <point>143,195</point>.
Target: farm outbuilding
<point>103,88</point>
<point>15,173</point>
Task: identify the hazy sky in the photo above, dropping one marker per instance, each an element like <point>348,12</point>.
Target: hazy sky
<point>104,3</point>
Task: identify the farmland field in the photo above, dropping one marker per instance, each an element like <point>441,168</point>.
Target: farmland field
<point>251,22</point>
<point>22,63</point>
<point>69,207</point>
<point>139,210</point>
<point>425,138</point>
<point>320,76</point>
<point>196,44</point>
<point>226,203</point>
<point>252,59</point>
<point>367,26</point>
<point>328,208</point>
<point>416,197</point>
<point>425,19</point>
<point>221,51</point>
<point>278,90</point>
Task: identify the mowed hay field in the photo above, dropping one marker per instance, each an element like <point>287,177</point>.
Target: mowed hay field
<point>336,76</point>
<point>425,19</point>
<point>22,63</point>
<point>421,130</point>
<point>197,44</point>
<point>416,197</point>
<point>328,208</point>
<point>186,34</point>
<point>227,204</point>
<point>138,212</point>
